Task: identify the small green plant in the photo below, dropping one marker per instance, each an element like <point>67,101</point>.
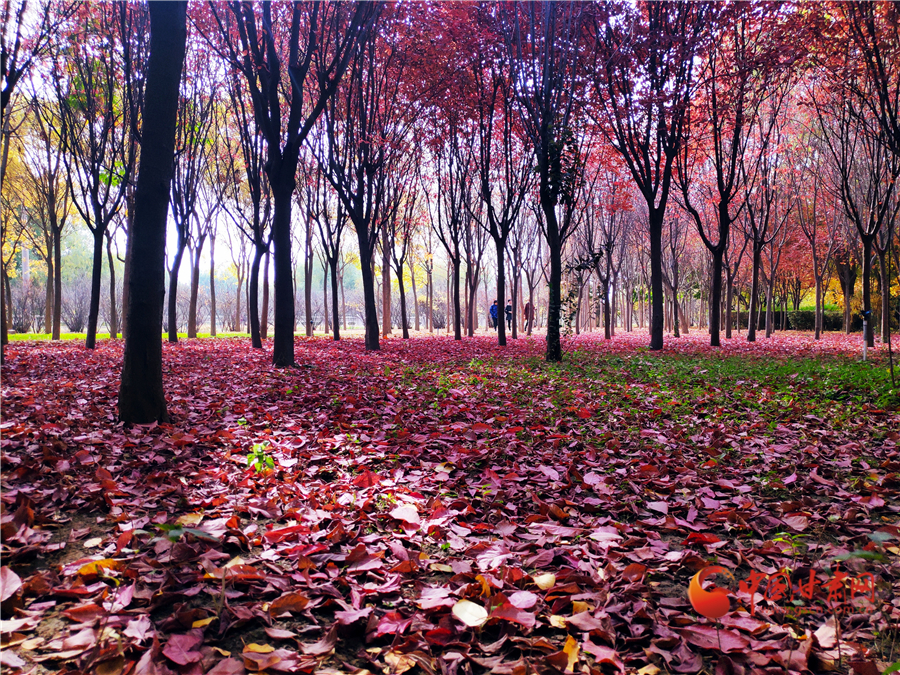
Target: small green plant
<point>242,422</point>
<point>259,459</point>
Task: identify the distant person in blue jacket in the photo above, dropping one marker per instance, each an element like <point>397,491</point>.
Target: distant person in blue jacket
<point>494,311</point>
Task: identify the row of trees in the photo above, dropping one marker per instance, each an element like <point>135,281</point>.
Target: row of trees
<point>618,130</point>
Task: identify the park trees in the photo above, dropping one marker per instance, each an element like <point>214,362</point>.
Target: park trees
<point>141,395</point>
<point>643,87</point>
<point>305,49</point>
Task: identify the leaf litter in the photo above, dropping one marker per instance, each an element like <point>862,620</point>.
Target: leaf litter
<point>443,507</point>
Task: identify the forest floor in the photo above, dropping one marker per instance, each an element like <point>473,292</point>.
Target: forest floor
<point>453,507</point>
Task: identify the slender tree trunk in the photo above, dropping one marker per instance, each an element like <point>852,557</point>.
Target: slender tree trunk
<point>729,293</point>
<point>126,272</point>
<point>770,296</point>
<point>754,293</point>
<point>325,298</point>
<point>430,317</point>
<point>307,278</point>
<point>334,299</point>
<point>715,301</point>
<point>403,312</point>
<point>141,396</point>
<point>264,314</point>
<point>96,270</point>
<point>113,314</point>
<point>343,303</point>
<point>195,291</point>
<point>457,316</point>
<point>885,288</point>
<point>415,294</point>
<point>867,289</point>
<point>253,296</point>
<point>57,283</point>
<point>237,308</point>
<point>385,284</point>
<point>173,294</point>
<point>212,285</point>
<point>501,292</point>
<point>48,293</point>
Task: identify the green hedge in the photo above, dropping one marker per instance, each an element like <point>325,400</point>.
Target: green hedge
<point>831,321</point>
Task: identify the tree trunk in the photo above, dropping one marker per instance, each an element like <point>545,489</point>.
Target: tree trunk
<point>457,315</point>
<point>48,293</point>
<point>57,283</point>
<point>126,273</point>
<point>113,314</point>
<point>368,279</point>
<point>430,318</point>
<point>237,304</point>
<point>253,297</point>
<point>501,293</point>
<point>867,290</point>
<point>212,285</point>
<point>96,270</point>
<point>385,284</point>
<point>307,279</point>
<point>729,293</point>
<point>403,313</point>
<point>885,295</point>
<point>754,294</point>
<point>195,291</point>
<point>770,296</point>
<point>264,314</point>
<point>283,329</point>
<point>334,299</point>
<point>141,396</point>
<point>343,303</point>
<point>415,294</point>
<point>715,301</point>
<point>173,294</point>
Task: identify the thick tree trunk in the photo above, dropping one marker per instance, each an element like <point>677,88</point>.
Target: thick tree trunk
<point>141,396</point>
<point>325,298</point>
<point>173,294</point>
<point>430,318</point>
<point>343,303</point>
<point>253,297</point>
<point>368,280</point>
<point>501,293</point>
<point>264,314</point>
<point>818,319</point>
<point>283,330</point>
<point>212,285</point>
<point>113,314</point>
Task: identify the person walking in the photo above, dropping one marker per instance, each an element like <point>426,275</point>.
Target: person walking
<point>494,310</point>
<point>509,315</point>
<point>528,315</point>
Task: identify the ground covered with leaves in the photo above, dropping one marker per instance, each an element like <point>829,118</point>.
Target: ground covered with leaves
<point>452,507</point>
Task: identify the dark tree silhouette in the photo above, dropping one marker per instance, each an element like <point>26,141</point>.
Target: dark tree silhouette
<point>141,395</point>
